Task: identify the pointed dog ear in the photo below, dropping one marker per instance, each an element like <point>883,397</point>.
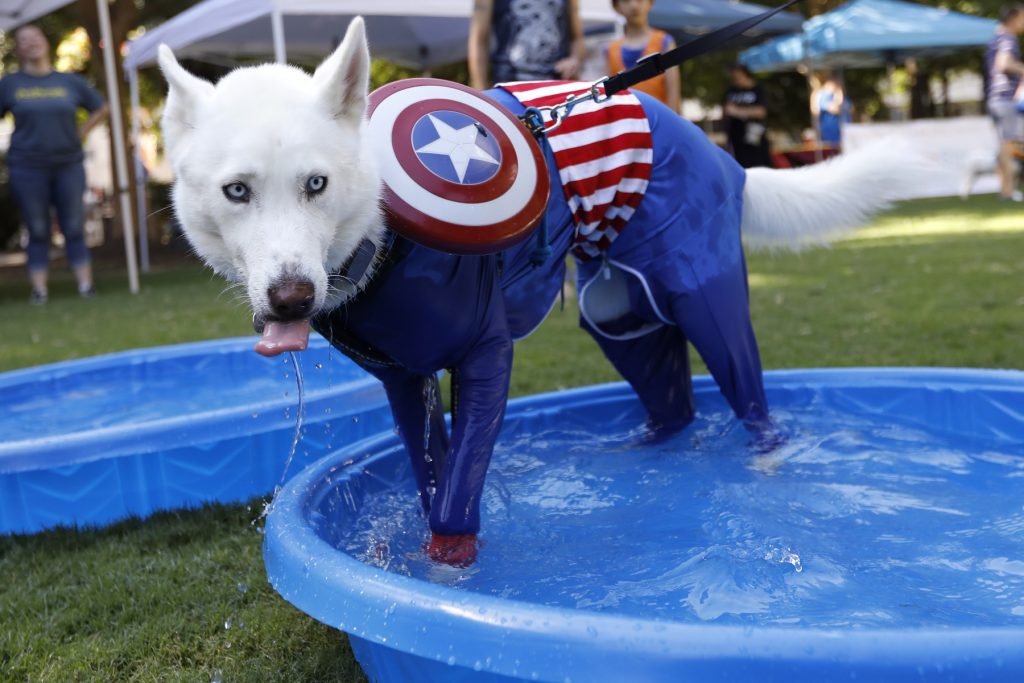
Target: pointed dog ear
<point>185,92</point>
<point>344,78</point>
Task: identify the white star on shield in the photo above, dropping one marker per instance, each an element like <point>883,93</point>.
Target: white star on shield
<point>458,145</point>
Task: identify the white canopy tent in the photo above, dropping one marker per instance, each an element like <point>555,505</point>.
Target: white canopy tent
<point>416,33</point>
<point>421,34</point>
<point>13,13</point>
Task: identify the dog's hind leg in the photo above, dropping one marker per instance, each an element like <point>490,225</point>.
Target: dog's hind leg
<point>657,366</point>
<point>715,317</point>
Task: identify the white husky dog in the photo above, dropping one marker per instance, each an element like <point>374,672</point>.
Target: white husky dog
<point>278,189</point>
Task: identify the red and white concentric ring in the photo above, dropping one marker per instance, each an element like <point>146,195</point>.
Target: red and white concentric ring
<point>481,218</point>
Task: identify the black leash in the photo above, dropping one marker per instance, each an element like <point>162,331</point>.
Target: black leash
<point>646,68</point>
<point>654,65</point>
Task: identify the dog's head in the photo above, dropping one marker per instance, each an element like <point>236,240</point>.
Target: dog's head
<point>275,183</point>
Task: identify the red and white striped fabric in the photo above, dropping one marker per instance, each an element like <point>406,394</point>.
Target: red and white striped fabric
<point>603,153</point>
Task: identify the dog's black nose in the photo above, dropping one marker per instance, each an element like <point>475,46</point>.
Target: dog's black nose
<point>291,299</point>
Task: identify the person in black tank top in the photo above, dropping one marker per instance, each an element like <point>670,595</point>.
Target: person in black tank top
<point>524,40</point>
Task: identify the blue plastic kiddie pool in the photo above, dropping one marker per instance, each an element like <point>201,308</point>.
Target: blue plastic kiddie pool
<point>881,540</point>
<point>91,441</point>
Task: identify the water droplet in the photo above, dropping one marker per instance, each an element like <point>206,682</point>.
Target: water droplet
<point>227,623</point>
<point>355,418</point>
<point>217,676</point>
<point>451,660</point>
<point>319,366</point>
<point>228,645</point>
<point>478,665</point>
<point>242,588</point>
<point>427,458</point>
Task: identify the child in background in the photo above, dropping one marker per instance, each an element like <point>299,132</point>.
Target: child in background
<point>639,40</point>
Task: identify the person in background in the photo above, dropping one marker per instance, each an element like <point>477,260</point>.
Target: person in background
<point>832,109</point>
<point>639,40</point>
<point>45,156</point>
<point>533,40</point>
<point>1004,70</point>
<point>745,115</point>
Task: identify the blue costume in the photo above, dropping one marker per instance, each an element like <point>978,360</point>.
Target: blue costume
<point>679,261</point>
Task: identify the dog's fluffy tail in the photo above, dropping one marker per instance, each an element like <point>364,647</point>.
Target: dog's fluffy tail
<point>814,205</point>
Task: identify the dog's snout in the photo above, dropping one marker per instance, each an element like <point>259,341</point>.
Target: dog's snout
<point>291,299</point>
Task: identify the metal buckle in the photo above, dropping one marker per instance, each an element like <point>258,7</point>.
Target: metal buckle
<point>533,117</point>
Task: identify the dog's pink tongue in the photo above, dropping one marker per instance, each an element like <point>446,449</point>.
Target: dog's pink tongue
<point>279,337</point>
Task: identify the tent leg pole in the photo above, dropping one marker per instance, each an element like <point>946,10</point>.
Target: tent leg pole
<point>140,173</point>
<point>117,130</point>
<point>277,29</point>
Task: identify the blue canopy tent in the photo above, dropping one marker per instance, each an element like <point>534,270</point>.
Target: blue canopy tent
<point>701,16</point>
<point>870,33</point>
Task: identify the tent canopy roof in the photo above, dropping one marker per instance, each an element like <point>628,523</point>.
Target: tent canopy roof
<point>418,34</point>
<point>423,33</point>
<point>702,16</point>
<point>14,13</point>
<point>871,32</point>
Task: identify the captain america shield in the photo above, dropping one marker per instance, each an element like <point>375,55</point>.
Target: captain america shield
<point>460,173</point>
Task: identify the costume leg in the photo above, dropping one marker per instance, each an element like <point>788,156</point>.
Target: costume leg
<point>715,317</point>
<point>419,415</point>
<point>657,366</point>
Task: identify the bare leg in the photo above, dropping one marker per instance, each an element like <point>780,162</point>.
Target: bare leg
<point>1007,169</point>
<point>38,280</point>
<point>83,274</point>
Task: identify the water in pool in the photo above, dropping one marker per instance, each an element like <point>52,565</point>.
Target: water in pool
<point>851,523</point>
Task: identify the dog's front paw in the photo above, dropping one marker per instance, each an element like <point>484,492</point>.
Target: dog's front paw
<point>458,550</point>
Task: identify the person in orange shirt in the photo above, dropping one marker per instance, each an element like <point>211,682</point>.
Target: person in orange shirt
<point>639,40</point>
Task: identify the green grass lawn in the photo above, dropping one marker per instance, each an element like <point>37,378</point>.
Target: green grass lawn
<point>183,595</point>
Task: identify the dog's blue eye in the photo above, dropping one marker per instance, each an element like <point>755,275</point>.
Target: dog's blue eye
<point>316,184</point>
<point>237,192</point>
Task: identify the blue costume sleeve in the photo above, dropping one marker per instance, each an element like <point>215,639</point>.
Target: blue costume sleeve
<point>480,389</point>
<point>425,312</point>
<point>419,413</point>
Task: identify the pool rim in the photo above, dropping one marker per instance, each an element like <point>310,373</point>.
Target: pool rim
<point>390,609</point>
<point>79,447</point>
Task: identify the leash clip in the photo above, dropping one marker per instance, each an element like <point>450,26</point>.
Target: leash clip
<point>533,117</point>
<point>597,91</point>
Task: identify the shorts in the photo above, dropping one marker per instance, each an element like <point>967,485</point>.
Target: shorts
<point>1009,122</point>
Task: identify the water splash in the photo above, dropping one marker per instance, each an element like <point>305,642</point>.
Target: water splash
<point>299,412</point>
<point>429,402</point>
<point>851,521</point>
<point>296,437</point>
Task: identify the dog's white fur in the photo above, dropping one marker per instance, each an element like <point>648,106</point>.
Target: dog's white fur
<point>273,127</point>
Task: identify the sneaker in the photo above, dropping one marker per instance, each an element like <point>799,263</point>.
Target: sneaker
<point>1017,196</point>
<point>38,297</point>
<point>87,293</point>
